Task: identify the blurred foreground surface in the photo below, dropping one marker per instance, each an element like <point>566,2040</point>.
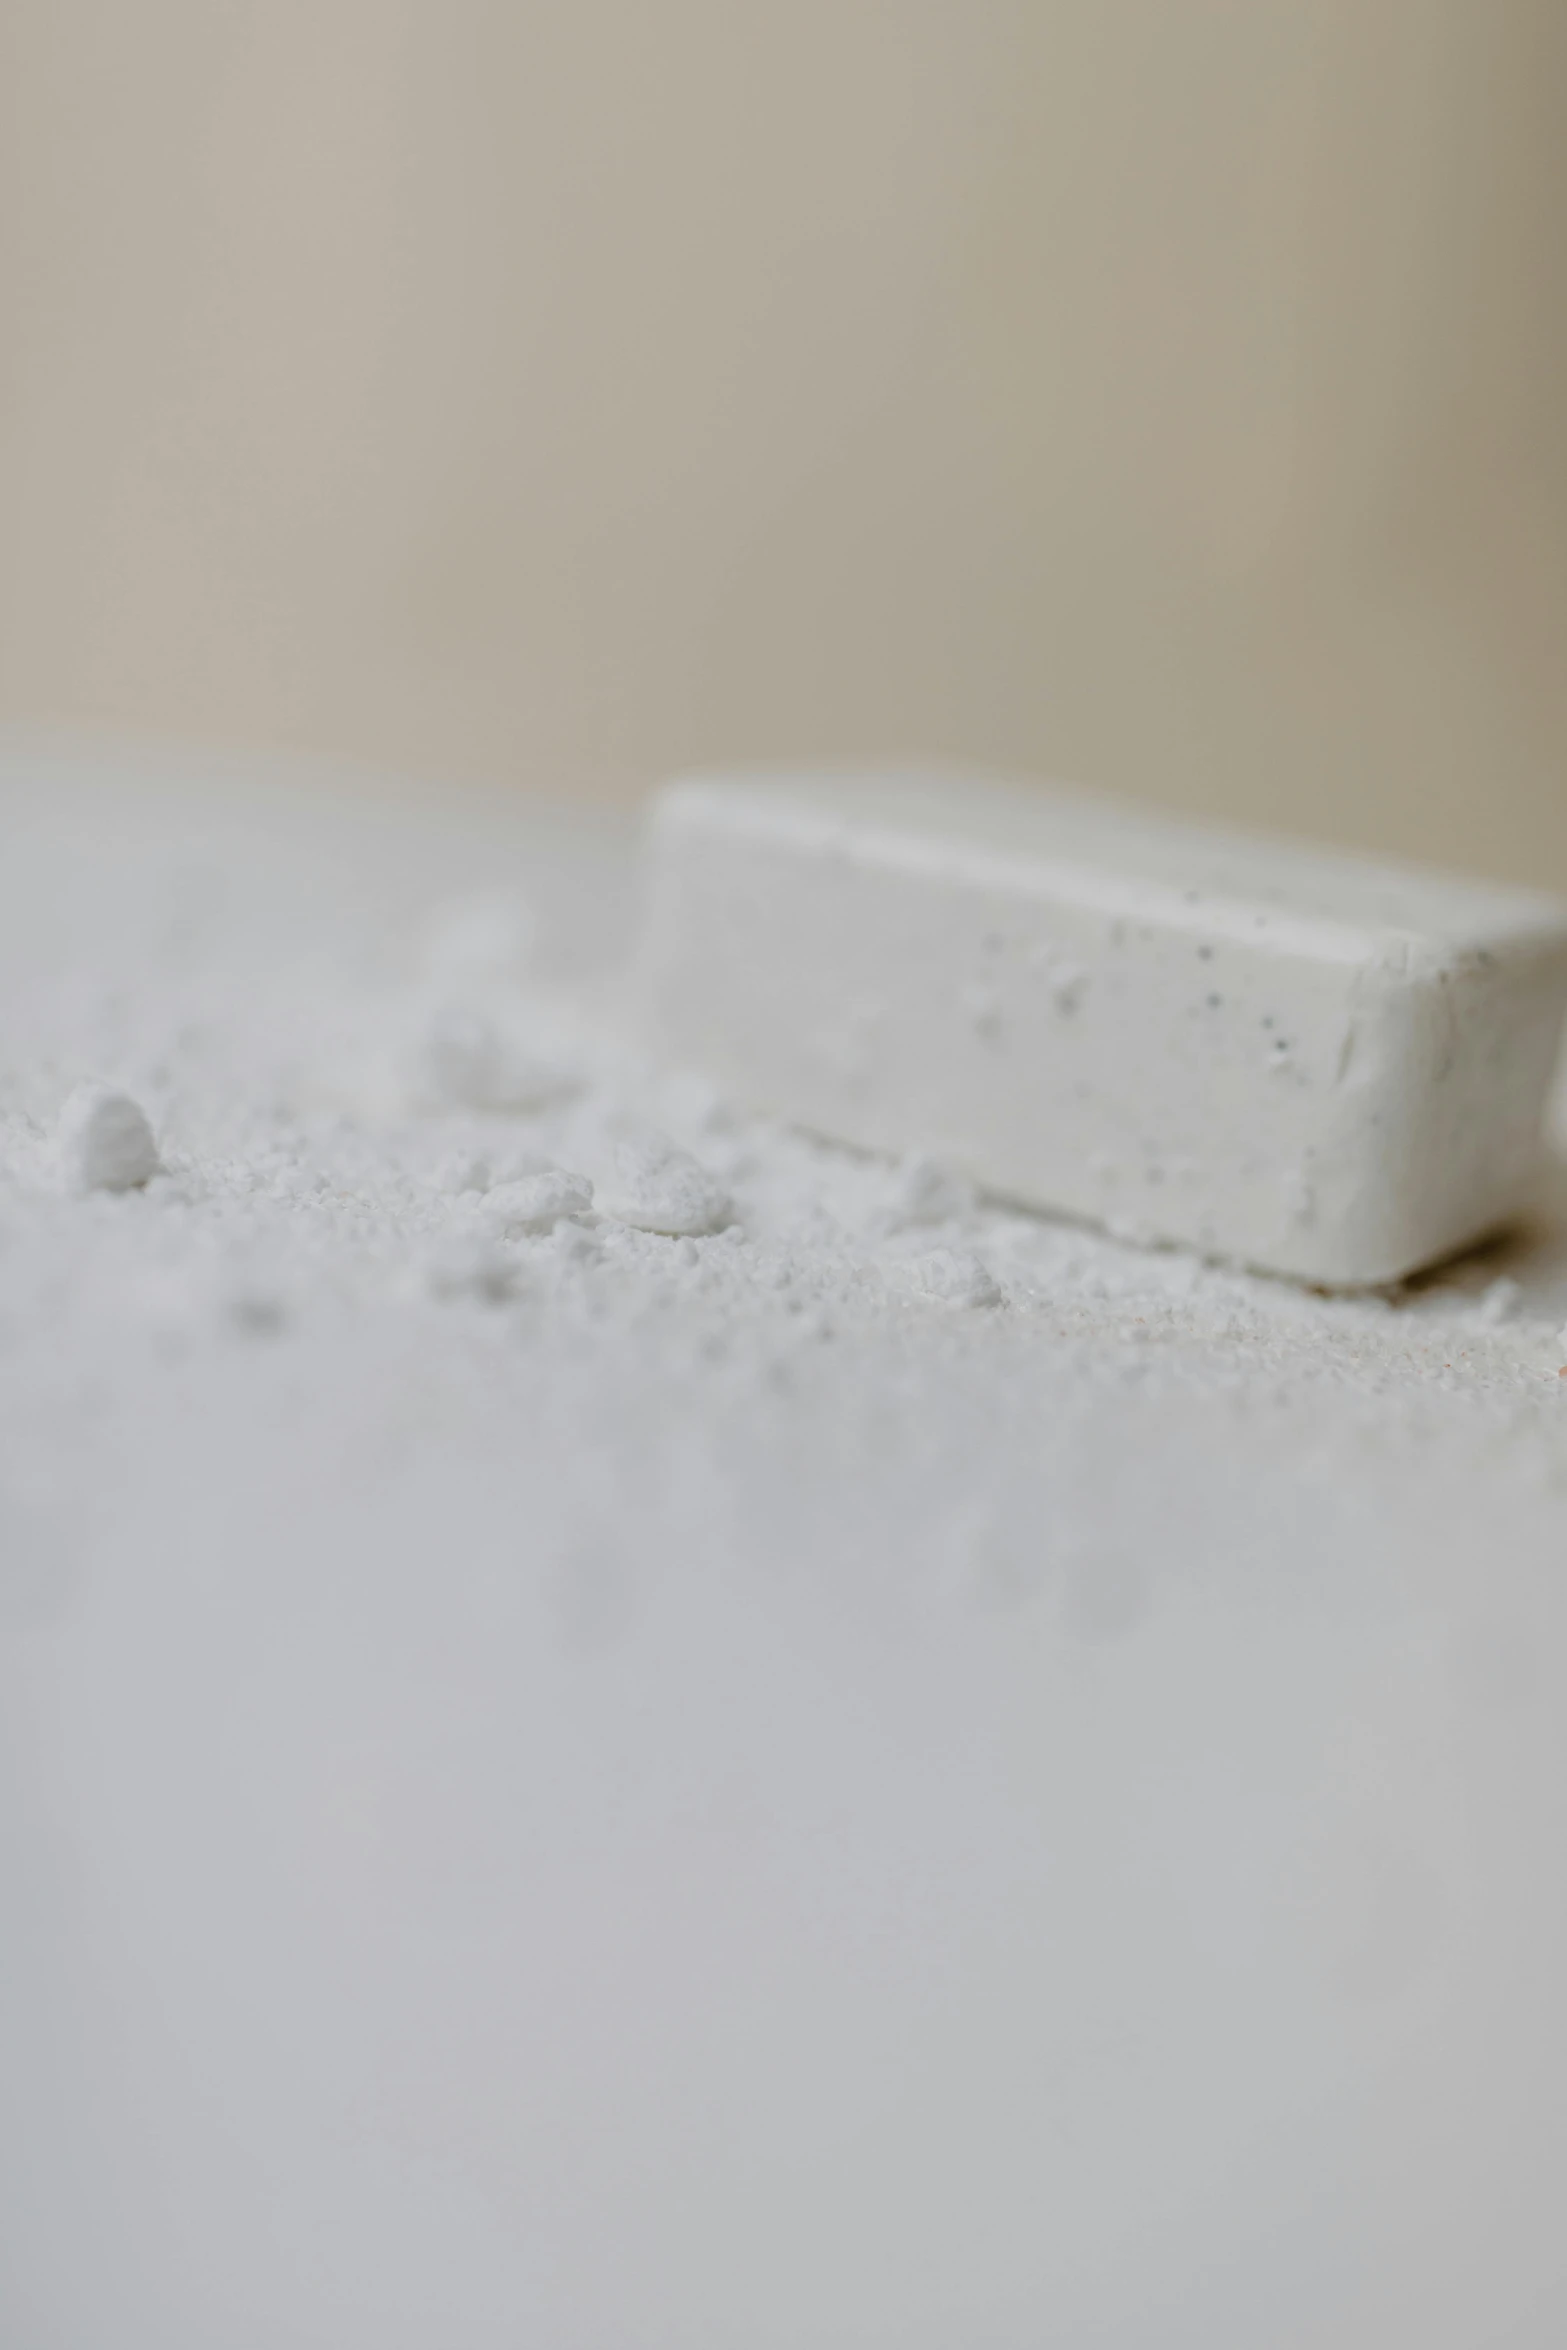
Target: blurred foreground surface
<point>893,1774</point>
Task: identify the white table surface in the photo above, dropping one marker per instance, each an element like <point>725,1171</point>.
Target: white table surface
<point>606,1791</point>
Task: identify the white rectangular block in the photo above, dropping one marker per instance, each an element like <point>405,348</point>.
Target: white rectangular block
<point>1309,1062</point>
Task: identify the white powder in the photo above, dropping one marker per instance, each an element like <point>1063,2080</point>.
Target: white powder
<point>732,1747</point>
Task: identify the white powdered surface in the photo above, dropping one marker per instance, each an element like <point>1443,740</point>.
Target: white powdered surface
<point>620,1731</point>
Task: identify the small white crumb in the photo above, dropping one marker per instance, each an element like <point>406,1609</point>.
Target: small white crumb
<point>467,1062</point>
<point>657,1188</point>
<point>954,1277</point>
<point>536,1203</point>
<point>1498,1300</point>
<point>105,1141</point>
<point>462,1171</point>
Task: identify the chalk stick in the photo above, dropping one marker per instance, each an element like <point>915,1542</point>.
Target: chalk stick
<point>1309,1062</point>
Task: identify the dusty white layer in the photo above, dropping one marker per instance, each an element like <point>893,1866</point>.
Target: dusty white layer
<point>1318,1065</point>
<point>891,1773</point>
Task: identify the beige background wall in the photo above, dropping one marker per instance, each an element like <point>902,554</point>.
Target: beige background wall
<point>1168,392</point>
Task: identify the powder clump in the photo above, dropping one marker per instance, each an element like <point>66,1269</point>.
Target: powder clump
<point>536,1202</point>
<point>657,1188</point>
<point>105,1141</point>
<point>955,1277</point>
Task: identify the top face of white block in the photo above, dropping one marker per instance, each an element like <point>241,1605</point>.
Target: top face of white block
<point>1129,862</point>
<point>1310,1062</point>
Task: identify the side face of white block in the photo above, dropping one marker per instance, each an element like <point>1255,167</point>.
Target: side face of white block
<point>1309,1063</point>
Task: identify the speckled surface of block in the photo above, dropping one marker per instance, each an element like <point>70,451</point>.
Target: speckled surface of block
<point>1285,1057</point>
